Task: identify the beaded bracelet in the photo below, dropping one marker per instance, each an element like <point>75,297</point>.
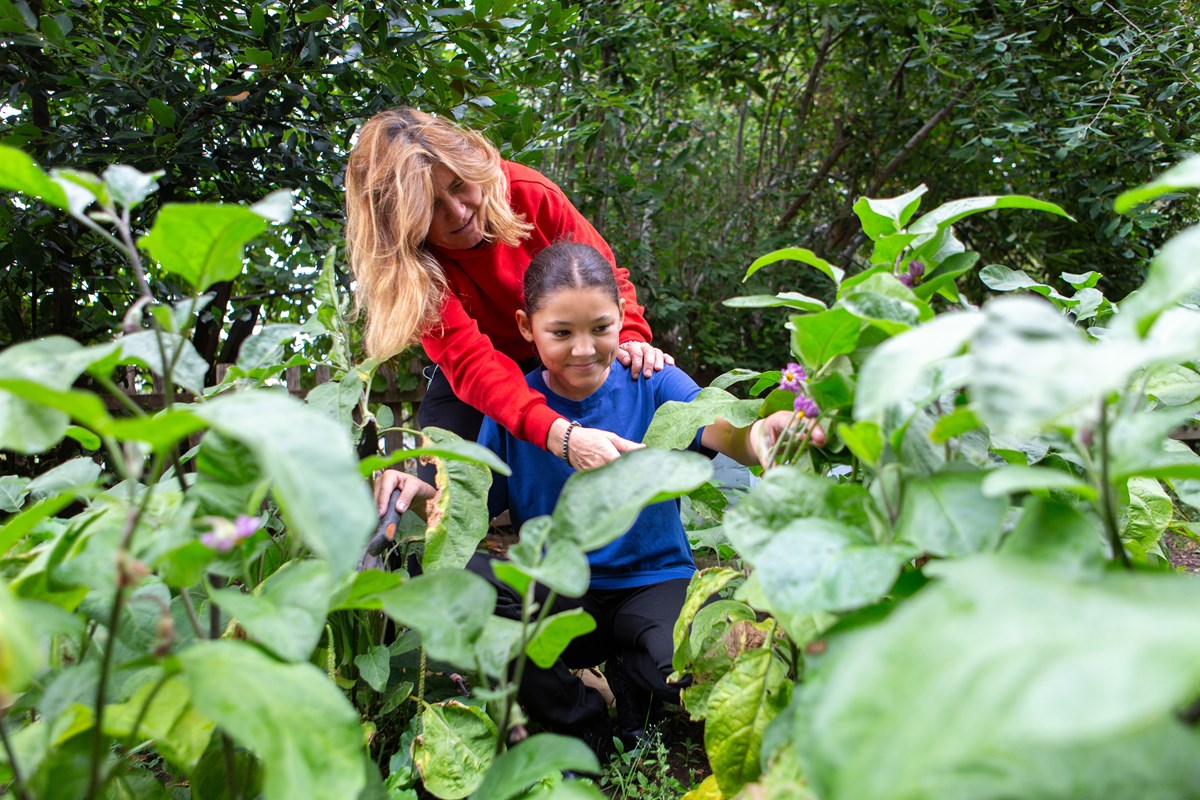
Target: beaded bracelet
<point>567,439</point>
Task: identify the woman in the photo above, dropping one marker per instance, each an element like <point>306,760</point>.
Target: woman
<point>440,232</point>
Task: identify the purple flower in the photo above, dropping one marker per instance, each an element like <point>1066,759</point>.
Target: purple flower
<point>906,278</point>
<point>793,377</point>
<point>805,406</point>
<point>222,534</point>
<point>916,269</point>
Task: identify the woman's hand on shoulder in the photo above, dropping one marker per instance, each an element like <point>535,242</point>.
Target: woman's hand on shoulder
<point>591,447</point>
<point>642,358</point>
<point>411,488</point>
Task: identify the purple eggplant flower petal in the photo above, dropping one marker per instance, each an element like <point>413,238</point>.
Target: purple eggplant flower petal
<point>805,406</point>
<point>793,378</point>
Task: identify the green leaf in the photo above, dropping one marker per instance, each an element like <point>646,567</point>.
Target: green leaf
<point>127,186</point>
<point>819,338</point>
<point>180,733</point>
<point>952,212</point>
<point>455,749</point>
<point>556,633</point>
<point>20,173</point>
<point>675,423</point>
<point>142,348</point>
<point>35,391</point>
<point>449,608</point>
<point>19,526</point>
<point>374,666</point>
<point>559,563</point>
<point>1064,687</point>
<point>337,399</point>
<point>797,254</point>
<point>289,715</point>
<point>740,706</point>
<point>948,514</point>
<point>202,243</point>
<point>1179,178</point>
<point>69,476</point>
<point>955,424</point>
<point>865,441</point>
<point>366,590</point>
<point>800,302</point>
<point>286,613</point>
<point>530,761</point>
<point>704,584</point>
<point>21,656</point>
<point>809,544</point>
<point>448,448</point>
<point>265,348</point>
<point>999,278</point>
<point>163,114</point>
<point>945,274</point>
<point>13,491</point>
<point>1016,478</point>
<point>1057,533</point>
<point>902,364</point>
<point>1172,278</point>
<point>276,207</point>
<point>86,438</point>
<point>460,520</point>
<point>321,12</point>
<point>1032,367</point>
<point>311,465</point>
<point>598,506</point>
<point>1146,518</point>
<point>737,375</point>
<point>879,308</point>
<point>885,216</point>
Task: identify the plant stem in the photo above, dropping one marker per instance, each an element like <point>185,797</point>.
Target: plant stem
<point>193,617</point>
<point>1107,499</point>
<point>131,523</point>
<point>774,451</point>
<point>18,780</point>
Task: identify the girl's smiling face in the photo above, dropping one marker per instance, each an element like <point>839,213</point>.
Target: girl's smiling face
<point>576,332</point>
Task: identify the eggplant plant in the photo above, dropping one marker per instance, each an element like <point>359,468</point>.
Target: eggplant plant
<point>965,593</point>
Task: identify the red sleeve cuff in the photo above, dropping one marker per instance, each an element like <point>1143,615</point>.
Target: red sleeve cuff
<point>535,425</point>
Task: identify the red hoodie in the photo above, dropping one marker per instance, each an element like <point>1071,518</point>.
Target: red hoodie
<point>477,343</point>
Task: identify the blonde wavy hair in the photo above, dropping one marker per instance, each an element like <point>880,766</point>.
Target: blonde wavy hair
<point>389,207</point>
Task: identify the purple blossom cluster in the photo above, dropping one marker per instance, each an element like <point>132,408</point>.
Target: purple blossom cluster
<point>793,379</point>
<point>222,534</point>
<point>916,270</point>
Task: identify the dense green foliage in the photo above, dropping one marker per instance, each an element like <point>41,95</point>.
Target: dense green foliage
<point>964,594</point>
<point>695,136</point>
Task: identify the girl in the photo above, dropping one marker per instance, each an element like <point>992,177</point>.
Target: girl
<point>439,232</point>
<point>572,314</point>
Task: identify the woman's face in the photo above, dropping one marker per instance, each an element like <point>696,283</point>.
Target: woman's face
<point>576,333</point>
<point>456,224</point>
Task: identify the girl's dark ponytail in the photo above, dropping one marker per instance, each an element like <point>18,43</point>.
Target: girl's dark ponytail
<point>567,265</point>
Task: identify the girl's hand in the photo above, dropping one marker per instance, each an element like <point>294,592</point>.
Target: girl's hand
<point>589,448</point>
<point>765,432</point>
<point>642,358</point>
<point>411,488</point>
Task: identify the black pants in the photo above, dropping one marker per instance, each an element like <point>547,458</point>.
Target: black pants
<point>634,628</point>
